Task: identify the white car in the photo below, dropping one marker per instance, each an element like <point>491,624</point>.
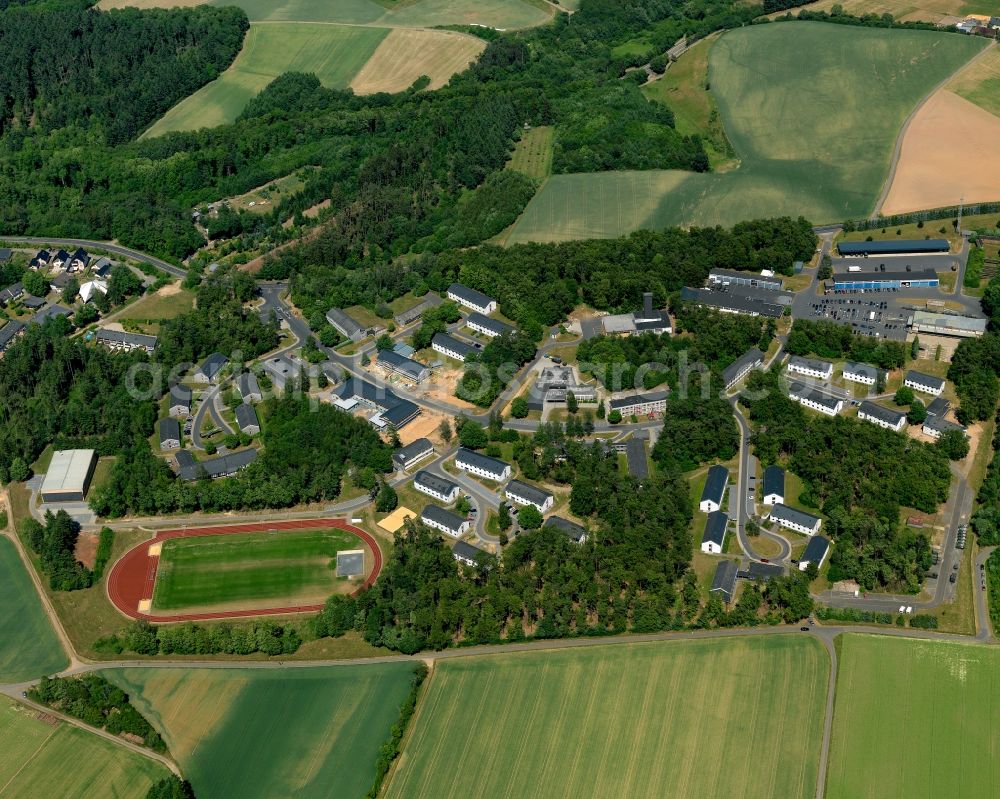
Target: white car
<point>902,608</point>
<point>909,609</point>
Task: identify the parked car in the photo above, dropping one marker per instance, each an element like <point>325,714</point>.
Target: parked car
<point>952,578</point>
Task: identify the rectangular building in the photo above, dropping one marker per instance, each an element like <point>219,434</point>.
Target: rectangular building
<point>466,553</point>
<point>404,318</point>
<point>180,400</point>
<point>170,434</point>
<point>487,326</point>
<point>862,373</point>
<point>732,277</point>
<point>482,465</point>
<point>471,298</point>
<point>524,494</point>
<point>435,486</point>
<point>445,520</point>
<point>811,367</point>
<point>68,476</point>
<point>210,368</point>
<point>345,325</point>
<point>945,324</point>
<point>715,489</point>
<point>731,302</point>
<point>118,340</point>
<point>867,281</point>
<point>9,333</point>
<point>246,419</point>
<point>248,387</point>
<point>413,453</point>
<point>714,536</point>
<point>926,384</point>
<point>391,408</point>
<point>640,404</point>
<point>817,400</point>
<point>452,347</point>
<point>577,533</point>
<point>882,416</point>
<point>893,247</point>
<point>937,426</point>
<point>773,489</point>
<point>190,469</point>
<point>815,552</point>
<point>724,581</point>
<point>393,362</point>
<point>742,366</point>
<point>795,519</point>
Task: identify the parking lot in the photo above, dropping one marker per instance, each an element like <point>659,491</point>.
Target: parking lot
<point>869,317</point>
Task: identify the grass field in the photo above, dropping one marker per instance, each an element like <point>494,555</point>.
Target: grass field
<point>252,569</point>
<point>685,719</point>
<point>334,53</point>
<point>809,142</point>
<point>404,55</point>
<point>980,83</point>
<point>915,718</point>
<point>906,10</point>
<point>29,647</point>
<point>38,759</point>
<point>533,153</point>
<point>684,88</point>
<point>260,734</point>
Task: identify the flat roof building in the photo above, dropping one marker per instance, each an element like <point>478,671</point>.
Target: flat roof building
<point>730,302</point>
<point>635,458</point>
<point>726,277</point>
<point>68,476</point>
<point>867,281</point>
<point>893,247</point>
<point>945,324</point>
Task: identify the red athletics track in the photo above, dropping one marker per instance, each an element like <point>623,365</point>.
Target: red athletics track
<point>132,577</point>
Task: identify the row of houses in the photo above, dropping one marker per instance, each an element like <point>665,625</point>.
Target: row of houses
<point>60,260</point>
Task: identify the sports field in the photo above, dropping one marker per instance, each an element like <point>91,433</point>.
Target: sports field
<point>809,138</point>
<point>404,55</point>
<point>40,759</point>
<point>686,719</point>
<point>260,734</point>
<point>250,569</point>
<point>334,53</point>
<point>915,718</point>
<point>29,647</point>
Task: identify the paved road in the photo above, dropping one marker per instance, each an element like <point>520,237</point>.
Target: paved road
<point>114,249</point>
<point>207,406</point>
<point>984,629</point>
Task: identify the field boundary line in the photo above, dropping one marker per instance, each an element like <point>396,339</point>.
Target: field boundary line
<point>27,762</point>
<point>898,147</point>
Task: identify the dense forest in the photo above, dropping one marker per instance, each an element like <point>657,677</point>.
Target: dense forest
<point>859,475</point>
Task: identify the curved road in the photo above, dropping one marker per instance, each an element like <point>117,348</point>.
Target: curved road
<point>114,249</point>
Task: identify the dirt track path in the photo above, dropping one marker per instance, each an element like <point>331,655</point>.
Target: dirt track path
<point>898,147</point>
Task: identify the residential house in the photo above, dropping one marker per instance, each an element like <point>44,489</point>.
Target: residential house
<point>13,292</point>
<point>714,536</point>
<point>79,260</point>
<point>862,373</point>
<point>640,404</point>
<point>487,326</point>
<point>815,552</point>
<point>742,366</point>
<point>406,367</point>
<point>9,333</point>
<point>937,426</point>
<point>794,519</point>
<point>101,267</point>
<point>577,533</point>
<point>466,553</point>
<point>170,434</point>
<point>180,400</point>
<point>32,303</point>
<point>482,465</point>
<point>471,298</point>
<point>452,347</point>
<point>60,260</point>
<point>41,260</point>
<point>817,400</point>
<point>773,488</point>
<point>89,289</point>
<point>190,469</point>
<point>49,312</point>
<point>210,368</point>
<point>524,494</point>
<point>884,417</point>
<point>724,581</point>
<point>411,454</point>
<point>435,486</point>
<point>248,387</point>
<point>926,384</point>
<point>810,367</point>
<point>715,489</point>
<point>246,419</point>
<point>446,521</point>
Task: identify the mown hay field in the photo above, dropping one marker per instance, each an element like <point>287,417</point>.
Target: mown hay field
<point>310,733</point>
<point>812,111</point>
<point>250,569</point>
<point>532,154</point>
<point>404,55</point>
<point>980,82</point>
<point>915,718</point>
<point>334,53</point>
<point>739,716</point>
<point>54,759</point>
<point>29,647</point>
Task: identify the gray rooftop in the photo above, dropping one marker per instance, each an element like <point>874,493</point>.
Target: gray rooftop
<point>761,571</point>
<point>618,403</point>
<point>213,364</point>
<point>466,550</point>
<point>453,344</point>
<point>495,325</point>
<point>724,580</point>
<point>635,457</point>
<point>528,492</point>
<point>246,416</point>
<point>816,549</point>
<point>715,484</point>
<point>793,515</point>
<point>887,415</point>
<point>409,367</point>
<point>730,301</point>
<point>180,395</point>
<point>774,481</point>
<point>413,450</point>
<point>751,356</point>
<point>434,482</point>
<point>169,429</point>
<point>924,379</point>
<point>853,367</point>
<point>68,470</point>
<point>941,424</point>
<point>477,298</point>
<point>810,363</point>
<point>485,462</point>
<point>806,392</point>
<point>715,528</point>
<point>344,323</point>
<point>190,469</point>
<point>572,529</point>
<point>8,332</point>
<point>247,384</point>
<point>105,336</point>
<point>443,516</point>
<point>938,406</point>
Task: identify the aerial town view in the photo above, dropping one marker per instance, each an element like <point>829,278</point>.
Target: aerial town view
<point>499,399</point>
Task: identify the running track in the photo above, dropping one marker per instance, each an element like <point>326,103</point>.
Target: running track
<point>132,577</point>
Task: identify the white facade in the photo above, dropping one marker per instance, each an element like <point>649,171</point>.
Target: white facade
<point>543,507</point>
<point>898,425</point>
<point>472,324</point>
<point>438,346</point>
<point>823,371</point>
<point>487,308</point>
<point>711,548</point>
<point>446,498</point>
<point>822,407</point>
<point>797,521</point>
<point>917,384</point>
<point>497,472</point>
<point>859,377</point>
<point>773,499</point>
<point>462,529</point>
<point>88,289</point>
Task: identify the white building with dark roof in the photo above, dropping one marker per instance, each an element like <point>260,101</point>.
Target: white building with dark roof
<point>773,488</point>
<point>471,298</point>
<point>487,325</point>
<point>524,494</point>
<point>577,533</point>
<point>715,489</point>
<point>714,536</point>
<point>413,453</point>
<point>937,426</point>
<point>170,434</point>
<point>482,465</point>
<point>862,373</point>
<point>345,325</point>
<point>446,521</point>
<point>811,367</point>
<point>208,371</point>
<point>180,400</point>
<point>395,363</point>
<point>815,552</point>
<point>640,404</point>
<point>118,340</point>
<point>880,415</point>
<point>248,387</point>
<point>724,581</point>
<point>742,366</point>
<point>465,553</point>
<point>795,519</point>
<point>926,384</point>
<point>451,347</point>
<point>246,419</point>
<point>435,486</point>
<point>816,400</point>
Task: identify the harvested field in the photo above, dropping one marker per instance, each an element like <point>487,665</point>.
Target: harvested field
<point>404,55</point>
<point>29,647</point>
<point>946,132</point>
<point>918,714</point>
<point>334,53</point>
<point>631,720</point>
<point>260,734</point>
<point>980,82</point>
<point>906,10</point>
<point>49,758</point>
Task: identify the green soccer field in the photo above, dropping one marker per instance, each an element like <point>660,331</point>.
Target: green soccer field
<point>29,647</point>
<point>308,733</point>
<point>725,717</point>
<point>249,569</point>
<point>812,110</point>
<point>915,718</point>
<point>58,760</point>
<point>334,53</point>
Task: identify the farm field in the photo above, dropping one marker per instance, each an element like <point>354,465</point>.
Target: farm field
<point>250,569</point>
<point>906,10</point>
<point>631,720</point>
<point>533,153</point>
<point>808,142</point>
<point>40,759</point>
<point>29,647</point>
<point>918,714</point>
<point>259,734</point>
<point>980,83</point>
<point>334,53</point>
<point>404,55</point>
<point>926,176</point>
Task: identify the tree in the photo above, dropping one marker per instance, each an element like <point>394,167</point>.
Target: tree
<point>825,272</point>
<point>35,283</point>
<point>529,518</point>
<point>572,406</point>
<point>903,396</point>
<point>384,342</point>
<point>954,444</point>
<point>473,435</point>
<point>519,408</point>
<point>322,381</point>
<point>387,499</point>
<point>18,470</point>
<point>172,787</point>
<point>70,291</point>
<point>915,348</point>
<point>463,505</point>
<point>917,413</point>
<point>615,416</point>
<point>86,314</point>
<point>601,412</point>
<point>503,517</point>
<point>444,429</point>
